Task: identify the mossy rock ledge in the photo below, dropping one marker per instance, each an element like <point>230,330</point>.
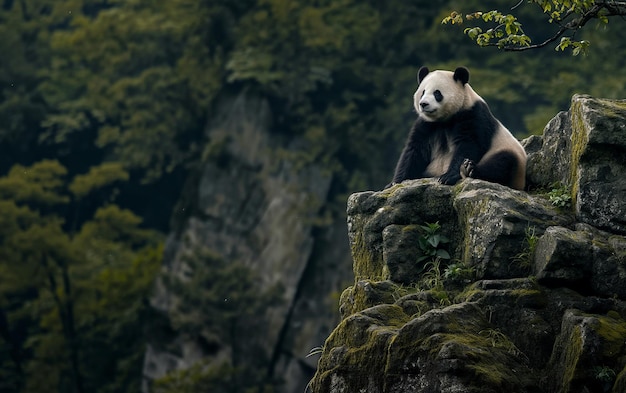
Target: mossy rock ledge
<point>543,307</point>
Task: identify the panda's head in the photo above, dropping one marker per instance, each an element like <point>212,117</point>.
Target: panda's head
<point>441,94</point>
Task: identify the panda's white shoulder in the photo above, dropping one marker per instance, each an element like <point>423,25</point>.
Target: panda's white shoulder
<point>471,97</point>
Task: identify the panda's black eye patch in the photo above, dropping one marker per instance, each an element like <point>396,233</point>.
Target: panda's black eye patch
<point>438,95</point>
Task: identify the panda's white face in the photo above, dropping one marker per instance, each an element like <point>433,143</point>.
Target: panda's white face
<point>440,96</point>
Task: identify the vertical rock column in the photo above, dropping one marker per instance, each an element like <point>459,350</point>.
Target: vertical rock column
<point>252,206</point>
<point>598,176</point>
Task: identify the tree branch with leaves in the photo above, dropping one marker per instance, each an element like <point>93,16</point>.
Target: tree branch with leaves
<point>505,32</point>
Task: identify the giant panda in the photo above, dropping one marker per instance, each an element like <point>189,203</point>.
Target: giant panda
<point>456,136</point>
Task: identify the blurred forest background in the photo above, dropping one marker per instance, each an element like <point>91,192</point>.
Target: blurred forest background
<point>103,110</point>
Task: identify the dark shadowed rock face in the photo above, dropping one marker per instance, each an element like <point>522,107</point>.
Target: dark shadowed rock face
<point>533,295</point>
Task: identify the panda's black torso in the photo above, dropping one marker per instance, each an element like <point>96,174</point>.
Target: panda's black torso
<point>470,130</point>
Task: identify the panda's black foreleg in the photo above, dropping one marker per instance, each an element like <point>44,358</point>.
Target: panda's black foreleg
<point>411,165</point>
<point>499,168</point>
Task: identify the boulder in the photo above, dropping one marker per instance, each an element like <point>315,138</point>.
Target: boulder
<point>405,205</point>
<point>598,181</point>
<point>488,226</point>
<point>584,150</point>
<point>587,353</point>
<point>443,350</point>
<point>563,257</point>
<point>499,225</point>
<point>549,155</point>
<point>586,259</point>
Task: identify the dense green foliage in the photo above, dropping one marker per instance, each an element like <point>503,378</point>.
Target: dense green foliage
<point>68,292</point>
<point>103,108</point>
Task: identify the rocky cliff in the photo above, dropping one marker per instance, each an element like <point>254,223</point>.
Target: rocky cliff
<point>481,288</point>
<point>254,207</point>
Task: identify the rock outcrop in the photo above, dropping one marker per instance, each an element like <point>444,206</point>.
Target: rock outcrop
<point>529,295</point>
<point>251,206</point>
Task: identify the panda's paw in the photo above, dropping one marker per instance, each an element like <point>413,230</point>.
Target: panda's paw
<point>449,178</point>
<point>467,168</point>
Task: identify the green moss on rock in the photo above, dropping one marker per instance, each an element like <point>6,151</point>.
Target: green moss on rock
<point>366,262</point>
<point>572,354</point>
<point>579,140</point>
<point>368,293</point>
<point>613,333</point>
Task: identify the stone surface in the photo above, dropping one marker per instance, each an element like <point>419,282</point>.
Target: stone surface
<point>586,353</point>
<point>442,350</point>
<point>484,221</point>
<point>411,203</point>
<point>586,259</point>
<point>365,294</point>
<point>496,223</point>
<point>549,155</point>
<point>563,257</point>
<point>584,150</point>
<point>600,127</point>
<point>400,251</point>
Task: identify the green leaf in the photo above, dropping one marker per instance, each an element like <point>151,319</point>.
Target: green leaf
<point>564,43</point>
<point>434,240</point>
<point>473,32</point>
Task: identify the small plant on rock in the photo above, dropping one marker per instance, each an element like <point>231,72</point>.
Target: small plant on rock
<point>524,258</point>
<point>497,339</point>
<point>458,273</point>
<point>432,250</point>
<point>604,373</point>
<point>434,281</point>
<point>402,290</point>
<point>560,196</point>
<point>431,243</point>
<point>433,278</point>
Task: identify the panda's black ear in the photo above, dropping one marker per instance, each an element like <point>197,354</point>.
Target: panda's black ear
<point>421,74</point>
<point>461,74</point>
